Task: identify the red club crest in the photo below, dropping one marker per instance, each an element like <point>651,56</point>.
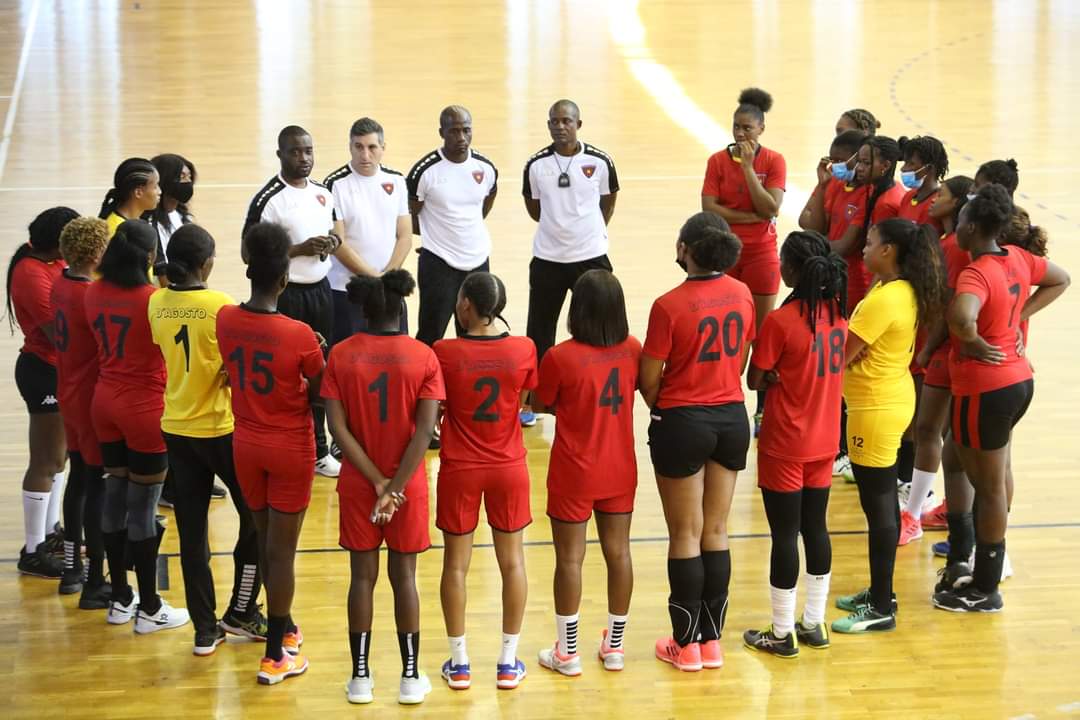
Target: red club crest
<point>588,170</point>
<point>389,188</point>
<point>321,199</point>
<point>478,176</point>
<point>850,210</point>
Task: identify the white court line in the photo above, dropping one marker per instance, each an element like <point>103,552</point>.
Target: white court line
<point>16,91</point>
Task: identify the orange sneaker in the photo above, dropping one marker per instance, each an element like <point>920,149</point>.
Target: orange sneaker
<point>271,672</point>
<point>292,641</point>
<point>935,519</point>
<point>910,528</point>
<point>687,659</point>
<point>613,658</point>
<point>712,655</point>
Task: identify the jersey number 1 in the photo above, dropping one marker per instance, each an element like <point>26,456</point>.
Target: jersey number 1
<point>258,367</point>
<point>181,338</point>
<point>835,351</point>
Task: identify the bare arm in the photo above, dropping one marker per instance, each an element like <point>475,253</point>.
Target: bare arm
<point>402,245</point>
<point>813,215</point>
<point>607,207</point>
<point>350,448</point>
<point>848,243</point>
<point>1054,283</point>
<point>712,204</point>
<point>349,257</point>
<point>650,372</point>
<point>766,202</point>
<point>426,413</point>
<point>415,206</point>
<point>854,349</point>
<point>489,201</point>
<point>533,208</point>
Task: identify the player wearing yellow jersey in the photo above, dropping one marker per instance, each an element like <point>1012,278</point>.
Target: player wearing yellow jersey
<point>197,426</point>
<point>880,395</point>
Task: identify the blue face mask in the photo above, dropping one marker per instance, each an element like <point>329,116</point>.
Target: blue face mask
<point>910,180</point>
<point>842,172</point>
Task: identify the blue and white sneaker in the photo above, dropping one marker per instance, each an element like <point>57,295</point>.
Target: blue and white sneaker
<point>458,677</point>
<point>527,418</point>
<point>941,549</point>
<point>508,677</point>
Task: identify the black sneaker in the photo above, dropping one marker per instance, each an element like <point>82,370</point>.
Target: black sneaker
<point>217,492</point>
<point>953,577</point>
<point>765,641</point>
<point>54,541</point>
<point>40,563</point>
<point>968,599</point>
<point>95,597</point>
<point>71,581</point>
<point>815,636</point>
<point>206,643</point>
<point>251,625</point>
<point>335,451</point>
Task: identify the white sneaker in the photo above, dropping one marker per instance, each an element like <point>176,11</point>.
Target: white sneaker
<point>327,466</point>
<point>120,614</point>
<point>1006,568</point>
<point>361,690</point>
<point>552,659</point>
<point>414,690</point>
<point>166,618</point>
<point>903,493</point>
<point>613,659</point>
<point>841,467</point>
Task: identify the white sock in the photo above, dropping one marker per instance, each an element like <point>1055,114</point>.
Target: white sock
<point>616,624</point>
<point>508,656</point>
<point>56,501</point>
<point>567,628</point>
<point>783,611</point>
<point>817,595</point>
<point>35,506</point>
<point>921,484</point>
<point>458,654</point>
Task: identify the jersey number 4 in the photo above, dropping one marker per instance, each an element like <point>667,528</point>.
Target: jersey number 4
<point>610,397</point>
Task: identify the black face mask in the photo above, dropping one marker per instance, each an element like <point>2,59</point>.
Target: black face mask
<point>681,263</point>
<point>181,191</point>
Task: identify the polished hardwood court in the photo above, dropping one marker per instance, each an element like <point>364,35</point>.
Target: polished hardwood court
<point>84,85</point>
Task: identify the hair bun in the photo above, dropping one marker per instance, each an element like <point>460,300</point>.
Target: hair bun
<point>399,281</point>
<point>756,97</point>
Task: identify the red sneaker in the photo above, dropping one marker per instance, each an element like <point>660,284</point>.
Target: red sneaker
<point>712,655</point>
<point>910,528</point>
<point>687,659</point>
<point>935,519</point>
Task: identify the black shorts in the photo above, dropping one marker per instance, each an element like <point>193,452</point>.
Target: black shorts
<point>985,421</point>
<point>310,304</point>
<point>36,380</point>
<point>683,439</point>
<point>116,454</point>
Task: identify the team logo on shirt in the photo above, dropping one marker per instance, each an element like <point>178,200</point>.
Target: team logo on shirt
<point>478,176</point>
<point>761,177</point>
<point>588,170</point>
<point>389,188</point>
<point>850,210</point>
<point>321,199</point>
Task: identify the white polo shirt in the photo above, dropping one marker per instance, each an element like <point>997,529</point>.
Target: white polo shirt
<point>571,227</point>
<point>369,207</point>
<point>452,221</point>
<point>305,212</point>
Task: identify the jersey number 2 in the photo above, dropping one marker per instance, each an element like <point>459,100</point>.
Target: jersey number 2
<point>483,412</point>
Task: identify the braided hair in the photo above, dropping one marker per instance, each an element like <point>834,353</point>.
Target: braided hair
<point>888,150</point>
<point>929,150</point>
<point>487,294</point>
<point>822,276</point>
<point>919,261</point>
<point>132,174</point>
<point>863,119</point>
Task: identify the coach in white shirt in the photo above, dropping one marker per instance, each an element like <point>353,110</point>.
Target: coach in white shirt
<point>306,209</point>
<point>451,191</point>
<point>371,216</point>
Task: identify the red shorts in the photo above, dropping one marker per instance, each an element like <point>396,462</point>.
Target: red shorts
<point>758,269</point>
<point>79,427</point>
<point>779,475</point>
<point>937,373</point>
<point>128,415</point>
<point>407,531</point>
<point>270,477</point>
<point>571,508</point>
<point>504,490</point>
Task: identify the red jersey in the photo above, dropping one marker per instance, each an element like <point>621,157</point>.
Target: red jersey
<point>126,351</point>
<point>484,378</point>
<point>702,330</point>
<point>724,180</point>
<point>802,412</point>
<point>956,258</point>
<point>379,378</point>
<point>77,353</point>
<point>592,389</point>
<point>918,211</point>
<point>846,206</point>
<point>268,358</point>
<point>1002,282</point>
<point>31,284</point>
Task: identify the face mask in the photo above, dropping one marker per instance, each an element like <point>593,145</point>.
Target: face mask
<point>842,172</point>
<point>182,191</point>
<point>681,263</point>
<point>911,180</point>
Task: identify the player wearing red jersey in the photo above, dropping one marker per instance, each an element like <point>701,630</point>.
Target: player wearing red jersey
<point>82,243</point>
<point>691,368</point>
<point>126,412</point>
<point>744,184</point>
<point>274,364</point>
<point>382,391</point>
<point>799,354</point>
<point>34,268</point>
<point>483,458</point>
<point>589,383</point>
<point>992,381</point>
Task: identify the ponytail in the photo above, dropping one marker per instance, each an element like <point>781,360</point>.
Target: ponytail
<point>1021,233</point>
<point>487,294</point>
<point>132,174</point>
<point>919,261</point>
<point>380,297</point>
<point>127,259</point>
<point>45,232</point>
<point>710,241</point>
<point>189,249</point>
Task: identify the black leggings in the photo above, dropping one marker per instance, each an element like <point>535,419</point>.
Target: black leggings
<point>83,500</point>
<point>877,495</point>
<point>791,514</point>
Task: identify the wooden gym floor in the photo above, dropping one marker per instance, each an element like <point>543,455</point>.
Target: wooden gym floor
<point>83,85</point>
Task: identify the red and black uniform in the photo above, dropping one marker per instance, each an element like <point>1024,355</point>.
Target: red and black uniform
<point>801,425</point>
<point>129,396</point>
<point>759,263</point>
<point>483,455</point>
<point>918,211</point>
<point>379,378</point>
<point>35,370</point>
<point>76,365</point>
<point>701,330</point>
<point>956,259</point>
<point>988,400</point>
<point>846,206</point>
<point>593,466</point>
<point>269,358</point>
